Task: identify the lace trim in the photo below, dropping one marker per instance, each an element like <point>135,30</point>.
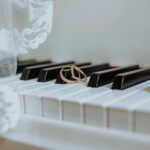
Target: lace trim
<point>40,15</point>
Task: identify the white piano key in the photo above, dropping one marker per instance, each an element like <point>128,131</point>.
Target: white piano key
<point>33,99</point>
<point>142,118</point>
<point>121,114</point>
<point>30,88</point>
<point>20,83</point>
<point>72,107</point>
<point>52,101</point>
<point>14,82</point>
<point>33,85</point>
<point>21,86</point>
<point>10,79</point>
<point>99,104</point>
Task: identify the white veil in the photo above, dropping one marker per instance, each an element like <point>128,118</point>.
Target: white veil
<point>35,25</point>
<point>27,32</point>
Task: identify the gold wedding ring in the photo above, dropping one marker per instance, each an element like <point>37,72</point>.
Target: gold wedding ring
<point>76,79</point>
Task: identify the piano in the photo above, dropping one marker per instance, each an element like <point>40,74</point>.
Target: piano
<point>110,111</point>
<point>109,41</point>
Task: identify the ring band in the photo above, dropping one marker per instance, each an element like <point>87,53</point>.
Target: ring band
<point>73,68</point>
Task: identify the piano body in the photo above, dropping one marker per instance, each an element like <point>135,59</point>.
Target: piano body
<point>112,110</point>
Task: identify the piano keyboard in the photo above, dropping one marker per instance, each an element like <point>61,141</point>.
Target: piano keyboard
<point>115,97</point>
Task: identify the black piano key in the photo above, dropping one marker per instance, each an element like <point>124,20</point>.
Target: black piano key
<point>52,73</point>
<point>23,65</point>
<point>33,72</point>
<point>26,61</point>
<point>104,77</point>
<point>88,70</point>
<point>126,80</point>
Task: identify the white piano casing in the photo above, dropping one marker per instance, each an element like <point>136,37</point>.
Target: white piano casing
<point>51,134</point>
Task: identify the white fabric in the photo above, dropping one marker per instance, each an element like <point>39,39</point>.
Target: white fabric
<point>9,108</point>
<point>7,57</point>
<point>17,39</point>
<point>39,18</point>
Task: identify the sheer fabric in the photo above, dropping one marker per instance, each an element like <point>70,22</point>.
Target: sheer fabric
<point>19,36</point>
<point>24,25</point>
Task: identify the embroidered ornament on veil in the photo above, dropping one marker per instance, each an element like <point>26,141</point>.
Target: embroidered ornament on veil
<point>40,14</point>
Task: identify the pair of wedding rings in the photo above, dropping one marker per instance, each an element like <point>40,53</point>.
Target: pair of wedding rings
<point>77,75</point>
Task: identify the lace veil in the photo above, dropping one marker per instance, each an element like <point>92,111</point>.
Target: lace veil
<point>36,23</point>
<point>24,25</point>
<point>27,24</point>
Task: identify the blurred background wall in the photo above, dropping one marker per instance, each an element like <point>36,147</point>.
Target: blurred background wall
<point>117,31</point>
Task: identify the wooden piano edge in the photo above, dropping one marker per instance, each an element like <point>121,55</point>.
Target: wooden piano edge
<point>50,134</point>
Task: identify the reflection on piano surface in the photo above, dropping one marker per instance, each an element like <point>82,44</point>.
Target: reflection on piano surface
<point>114,97</point>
